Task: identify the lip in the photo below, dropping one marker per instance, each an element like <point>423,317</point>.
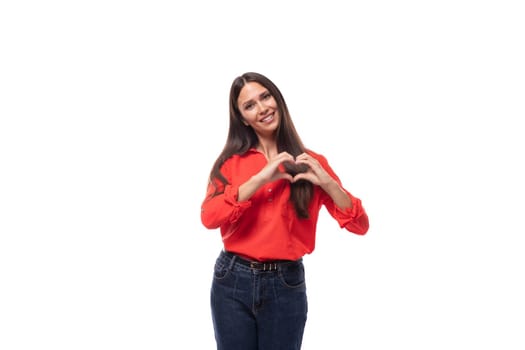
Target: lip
<point>267,119</point>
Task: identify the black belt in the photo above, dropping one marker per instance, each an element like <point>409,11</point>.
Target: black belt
<point>258,265</point>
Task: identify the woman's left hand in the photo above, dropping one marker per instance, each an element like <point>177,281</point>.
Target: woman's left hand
<point>315,173</point>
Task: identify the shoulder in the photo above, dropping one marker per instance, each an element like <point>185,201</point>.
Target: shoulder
<point>240,157</point>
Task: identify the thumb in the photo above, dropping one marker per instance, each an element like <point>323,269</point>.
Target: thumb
<point>286,176</point>
<point>300,176</point>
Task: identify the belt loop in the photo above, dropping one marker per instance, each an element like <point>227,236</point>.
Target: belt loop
<point>232,261</point>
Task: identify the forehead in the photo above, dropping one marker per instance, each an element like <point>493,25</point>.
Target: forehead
<point>251,90</point>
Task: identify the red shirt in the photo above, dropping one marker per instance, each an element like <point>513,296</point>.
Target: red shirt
<point>265,227</point>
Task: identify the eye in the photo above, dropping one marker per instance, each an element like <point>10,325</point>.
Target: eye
<point>249,106</point>
<point>266,96</point>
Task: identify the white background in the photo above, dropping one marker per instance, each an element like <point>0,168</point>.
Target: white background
<point>112,113</point>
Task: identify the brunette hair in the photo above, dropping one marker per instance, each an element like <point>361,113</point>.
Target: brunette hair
<point>241,138</point>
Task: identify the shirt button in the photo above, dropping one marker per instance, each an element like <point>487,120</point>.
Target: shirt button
<point>269,190</point>
<point>270,199</point>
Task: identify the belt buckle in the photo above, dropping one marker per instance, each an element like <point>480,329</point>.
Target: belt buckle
<point>263,266</point>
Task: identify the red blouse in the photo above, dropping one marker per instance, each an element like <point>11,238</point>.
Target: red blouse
<point>265,227</point>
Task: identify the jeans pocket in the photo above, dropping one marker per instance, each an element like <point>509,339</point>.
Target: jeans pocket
<point>292,275</point>
<point>220,271</point>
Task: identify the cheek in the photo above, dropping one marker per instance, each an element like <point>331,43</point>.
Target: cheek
<point>248,116</point>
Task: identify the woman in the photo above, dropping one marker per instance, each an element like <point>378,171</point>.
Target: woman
<point>265,192</point>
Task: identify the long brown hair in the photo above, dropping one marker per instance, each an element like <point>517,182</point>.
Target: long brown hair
<point>241,138</point>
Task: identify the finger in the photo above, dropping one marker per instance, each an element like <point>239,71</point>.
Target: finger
<point>305,161</point>
<point>284,156</point>
<point>307,177</point>
<point>285,176</point>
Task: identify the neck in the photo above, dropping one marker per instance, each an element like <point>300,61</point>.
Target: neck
<point>268,148</point>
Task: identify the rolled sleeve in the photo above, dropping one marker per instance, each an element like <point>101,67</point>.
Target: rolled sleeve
<point>217,210</point>
<point>353,219</point>
<point>231,193</point>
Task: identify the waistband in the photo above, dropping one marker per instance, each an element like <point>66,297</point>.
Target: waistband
<point>273,265</point>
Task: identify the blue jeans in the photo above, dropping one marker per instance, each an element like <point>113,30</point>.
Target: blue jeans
<point>255,309</point>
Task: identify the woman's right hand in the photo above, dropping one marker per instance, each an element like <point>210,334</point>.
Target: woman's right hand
<point>273,171</point>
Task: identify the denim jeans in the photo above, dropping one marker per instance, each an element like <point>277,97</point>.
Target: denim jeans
<point>258,310</point>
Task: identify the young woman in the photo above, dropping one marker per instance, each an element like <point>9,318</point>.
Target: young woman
<point>265,192</point>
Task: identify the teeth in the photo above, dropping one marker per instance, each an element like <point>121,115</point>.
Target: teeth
<point>267,118</point>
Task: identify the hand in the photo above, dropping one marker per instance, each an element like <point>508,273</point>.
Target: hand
<point>315,173</point>
<point>274,169</point>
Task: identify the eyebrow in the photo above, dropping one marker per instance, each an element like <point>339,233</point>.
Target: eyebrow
<point>266,91</point>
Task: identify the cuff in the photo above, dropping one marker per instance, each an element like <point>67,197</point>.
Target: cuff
<point>345,216</point>
<point>231,193</point>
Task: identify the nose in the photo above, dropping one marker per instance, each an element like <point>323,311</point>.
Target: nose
<point>262,107</point>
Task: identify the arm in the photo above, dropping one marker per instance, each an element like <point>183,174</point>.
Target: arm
<point>338,195</point>
<point>233,199</point>
<point>323,176</point>
<point>342,206</point>
<point>353,219</point>
<point>218,209</point>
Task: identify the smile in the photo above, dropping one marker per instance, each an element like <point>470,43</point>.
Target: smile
<point>267,119</point>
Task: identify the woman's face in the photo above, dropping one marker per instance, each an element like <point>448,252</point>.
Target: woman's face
<point>258,109</point>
